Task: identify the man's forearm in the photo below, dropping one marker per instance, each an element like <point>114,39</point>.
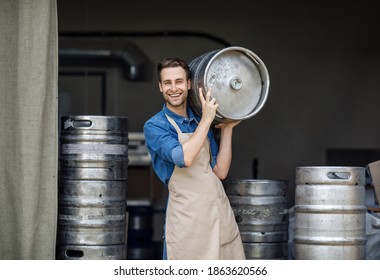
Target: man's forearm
<point>192,146</point>
<point>224,157</point>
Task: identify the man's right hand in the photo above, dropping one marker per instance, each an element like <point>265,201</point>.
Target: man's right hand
<point>209,105</point>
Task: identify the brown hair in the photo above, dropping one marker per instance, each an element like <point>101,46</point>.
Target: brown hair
<point>172,62</point>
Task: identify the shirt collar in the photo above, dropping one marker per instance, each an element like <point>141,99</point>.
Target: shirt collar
<point>178,118</point>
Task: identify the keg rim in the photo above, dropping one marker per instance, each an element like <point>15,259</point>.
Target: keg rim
<point>255,187</point>
<point>352,175</point>
<point>257,180</point>
<point>94,116</point>
<point>328,167</point>
<point>85,123</point>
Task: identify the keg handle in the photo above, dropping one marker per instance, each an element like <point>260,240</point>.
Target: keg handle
<point>339,175</point>
<point>77,123</point>
<point>77,254</point>
<point>82,123</point>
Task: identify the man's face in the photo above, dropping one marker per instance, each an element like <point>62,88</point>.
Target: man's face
<point>174,87</point>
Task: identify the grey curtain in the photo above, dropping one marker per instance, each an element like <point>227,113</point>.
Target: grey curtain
<point>28,128</point>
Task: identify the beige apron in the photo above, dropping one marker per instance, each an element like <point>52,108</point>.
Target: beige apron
<point>200,223</point>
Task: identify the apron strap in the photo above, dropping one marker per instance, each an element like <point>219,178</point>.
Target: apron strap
<point>180,132</point>
<point>174,124</point>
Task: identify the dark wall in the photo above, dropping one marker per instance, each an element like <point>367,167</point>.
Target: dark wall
<point>322,60</point>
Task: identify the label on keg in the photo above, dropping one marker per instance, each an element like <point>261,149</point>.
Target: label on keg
<point>111,149</point>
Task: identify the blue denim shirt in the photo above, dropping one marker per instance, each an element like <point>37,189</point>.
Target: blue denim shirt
<point>163,145</point>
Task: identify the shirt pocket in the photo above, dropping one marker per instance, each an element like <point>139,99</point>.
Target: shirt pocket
<point>228,229</point>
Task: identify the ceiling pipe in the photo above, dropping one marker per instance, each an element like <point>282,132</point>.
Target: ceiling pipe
<point>148,34</point>
<point>133,62</point>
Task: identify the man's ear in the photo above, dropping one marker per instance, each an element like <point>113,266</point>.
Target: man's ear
<point>159,85</point>
<point>188,84</point>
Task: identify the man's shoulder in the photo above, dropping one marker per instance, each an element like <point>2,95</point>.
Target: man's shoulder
<point>159,116</point>
<point>159,119</point>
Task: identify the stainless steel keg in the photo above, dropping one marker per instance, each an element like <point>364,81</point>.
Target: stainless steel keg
<point>261,212</point>
<point>93,168</point>
<point>330,213</point>
<point>239,80</point>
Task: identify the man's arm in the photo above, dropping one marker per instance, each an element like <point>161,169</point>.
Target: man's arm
<point>224,156</point>
<point>192,146</point>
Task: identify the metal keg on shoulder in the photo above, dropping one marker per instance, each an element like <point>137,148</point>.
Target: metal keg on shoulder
<point>261,212</point>
<point>93,166</point>
<point>330,213</point>
<point>239,81</point>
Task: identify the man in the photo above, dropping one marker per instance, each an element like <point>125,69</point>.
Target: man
<point>200,223</point>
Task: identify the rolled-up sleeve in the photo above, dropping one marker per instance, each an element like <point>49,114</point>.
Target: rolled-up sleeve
<point>163,142</point>
<point>177,156</point>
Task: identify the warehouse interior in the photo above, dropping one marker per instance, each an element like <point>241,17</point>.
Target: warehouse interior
<point>322,61</point>
<point>322,105</point>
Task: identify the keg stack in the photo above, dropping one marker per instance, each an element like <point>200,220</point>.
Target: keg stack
<point>330,213</point>
<point>261,212</point>
<point>93,168</point>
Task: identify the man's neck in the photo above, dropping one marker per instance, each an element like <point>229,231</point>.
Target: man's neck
<point>179,110</point>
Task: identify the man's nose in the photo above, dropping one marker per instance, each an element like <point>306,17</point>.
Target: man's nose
<point>173,87</point>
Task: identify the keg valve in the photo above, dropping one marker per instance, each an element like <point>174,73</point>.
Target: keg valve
<point>236,83</point>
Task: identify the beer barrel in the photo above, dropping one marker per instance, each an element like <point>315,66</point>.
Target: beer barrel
<point>330,210</point>
<point>238,78</point>
<point>93,165</point>
<point>261,212</point>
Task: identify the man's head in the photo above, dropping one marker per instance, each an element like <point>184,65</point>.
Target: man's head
<point>174,83</point>
<point>173,62</point>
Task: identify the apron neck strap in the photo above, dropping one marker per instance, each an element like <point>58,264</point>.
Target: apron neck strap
<point>174,124</point>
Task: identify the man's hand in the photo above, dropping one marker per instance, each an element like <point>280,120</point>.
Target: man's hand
<point>231,125</point>
<point>209,105</point>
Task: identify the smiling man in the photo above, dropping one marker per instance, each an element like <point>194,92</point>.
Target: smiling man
<point>200,223</point>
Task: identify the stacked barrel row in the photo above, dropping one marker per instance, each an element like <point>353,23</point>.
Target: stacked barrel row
<point>93,169</point>
<point>261,212</point>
